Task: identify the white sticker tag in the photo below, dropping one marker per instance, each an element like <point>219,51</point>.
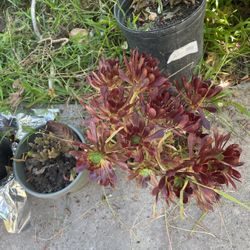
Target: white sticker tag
<point>189,48</point>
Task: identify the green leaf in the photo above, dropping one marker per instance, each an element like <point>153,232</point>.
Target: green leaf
<point>224,195</point>
<point>231,198</point>
<point>242,109</point>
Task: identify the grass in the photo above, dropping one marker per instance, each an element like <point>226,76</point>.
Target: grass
<point>37,73</point>
<point>30,62</point>
<point>227,29</point>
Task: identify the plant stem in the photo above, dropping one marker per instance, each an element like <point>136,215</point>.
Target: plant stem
<point>33,18</point>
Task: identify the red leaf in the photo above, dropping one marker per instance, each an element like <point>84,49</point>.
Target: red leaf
<point>231,181</point>
<point>157,135</point>
<point>123,76</point>
<point>236,173</point>
<point>61,130</point>
<point>152,113</point>
<point>191,143</point>
<point>204,120</point>
<point>81,165</point>
<point>162,182</point>
<point>211,109</point>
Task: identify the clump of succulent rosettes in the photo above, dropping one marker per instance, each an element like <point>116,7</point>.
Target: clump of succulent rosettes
<point>156,131</point>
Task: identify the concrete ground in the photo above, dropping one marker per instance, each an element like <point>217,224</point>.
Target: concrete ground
<point>124,218</point>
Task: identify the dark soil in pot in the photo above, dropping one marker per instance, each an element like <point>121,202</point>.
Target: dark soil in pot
<point>51,175</point>
<point>177,44</point>
<point>149,19</point>
<point>48,166</point>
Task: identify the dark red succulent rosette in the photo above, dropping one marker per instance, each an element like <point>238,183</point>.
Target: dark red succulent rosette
<point>197,95</point>
<point>214,166</point>
<point>142,71</point>
<point>160,104</point>
<point>211,166</point>
<point>173,181</point>
<point>142,175</point>
<point>138,135</point>
<point>111,105</point>
<point>106,75</point>
<point>155,131</point>
<point>197,92</point>
<point>98,157</point>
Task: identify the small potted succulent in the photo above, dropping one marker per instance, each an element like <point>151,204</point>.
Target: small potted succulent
<point>42,163</point>
<point>156,131</point>
<point>170,30</point>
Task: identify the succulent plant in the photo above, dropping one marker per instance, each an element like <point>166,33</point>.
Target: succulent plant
<point>56,139</point>
<point>157,135</point>
<point>99,157</point>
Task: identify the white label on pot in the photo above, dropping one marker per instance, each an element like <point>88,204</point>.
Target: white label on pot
<point>189,48</point>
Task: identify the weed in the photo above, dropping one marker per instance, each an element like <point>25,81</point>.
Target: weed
<point>226,41</point>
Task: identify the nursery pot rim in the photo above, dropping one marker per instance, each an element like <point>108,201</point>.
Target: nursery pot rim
<point>23,182</point>
<point>156,31</point>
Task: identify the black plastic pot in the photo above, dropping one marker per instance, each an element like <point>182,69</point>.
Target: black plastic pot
<point>178,47</point>
<point>5,156</point>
